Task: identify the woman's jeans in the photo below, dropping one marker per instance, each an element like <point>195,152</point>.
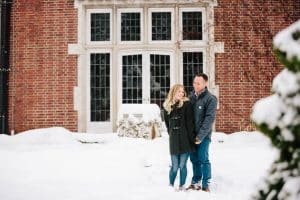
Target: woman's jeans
<point>178,162</point>
<point>201,164</point>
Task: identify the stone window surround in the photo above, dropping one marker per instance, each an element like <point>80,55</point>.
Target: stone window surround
<point>82,48</point>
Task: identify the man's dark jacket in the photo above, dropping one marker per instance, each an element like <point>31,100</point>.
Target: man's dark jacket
<point>180,125</point>
<point>204,105</point>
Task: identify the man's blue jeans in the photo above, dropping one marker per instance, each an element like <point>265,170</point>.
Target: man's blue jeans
<point>178,162</point>
<point>201,164</point>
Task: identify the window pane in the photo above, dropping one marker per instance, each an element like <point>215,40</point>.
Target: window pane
<point>100,87</point>
<point>100,27</point>
<point>132,79</point>
<point>192,26</point>
<point>160,78</point>
<point>192,65</point>
<point>130,27</point>
<point>161,26</point>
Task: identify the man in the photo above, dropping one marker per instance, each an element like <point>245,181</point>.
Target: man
<point>204,105</point>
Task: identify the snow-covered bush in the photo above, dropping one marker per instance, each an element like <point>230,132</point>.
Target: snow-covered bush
<point>139,121</point>
<point>278,117</point>
<point>137,128</point>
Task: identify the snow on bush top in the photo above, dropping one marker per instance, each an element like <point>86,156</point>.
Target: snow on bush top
<point>48,136</point>
<point>146,112</point>
<point>286,41</point>
<point>274,113</point>
<point>286,83</point>
<point>268,111</point>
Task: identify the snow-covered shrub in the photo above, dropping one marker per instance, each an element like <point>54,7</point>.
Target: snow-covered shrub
<point>137,128</point>
<point>278,117</point>
<point>139,121</point>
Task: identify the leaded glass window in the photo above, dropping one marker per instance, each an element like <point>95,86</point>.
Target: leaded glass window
<point>160,78</point>
<point>130,26</point>
<point>192,65</point>
<point>132,79</point>
<point>161,26</point>
<point>192,26</point>
<point>100,26</point>
<point>100,86</point>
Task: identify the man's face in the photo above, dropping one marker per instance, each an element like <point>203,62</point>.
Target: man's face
<point>199,84</point>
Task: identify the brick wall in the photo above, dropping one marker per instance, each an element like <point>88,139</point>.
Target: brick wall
<point>246,70</point>
<point>43,73</point>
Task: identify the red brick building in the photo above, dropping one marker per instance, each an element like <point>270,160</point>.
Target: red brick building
<point>74,62</point>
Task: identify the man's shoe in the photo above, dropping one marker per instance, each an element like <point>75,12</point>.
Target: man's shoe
<point>206,189</point>
<point>193,187</point>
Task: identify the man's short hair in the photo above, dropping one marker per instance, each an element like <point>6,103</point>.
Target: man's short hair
<point>204,76</point>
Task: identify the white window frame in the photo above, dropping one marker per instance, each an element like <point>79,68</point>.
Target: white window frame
<point>150,11</point>
<point>204,28</point>
<point>101,125</point>
<point>130,10</point>
<point>146,71</point>
<point>88,26</point>
<point>203,50</point>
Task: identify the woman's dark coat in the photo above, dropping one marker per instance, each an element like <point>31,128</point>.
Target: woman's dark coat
<point>180,125</point>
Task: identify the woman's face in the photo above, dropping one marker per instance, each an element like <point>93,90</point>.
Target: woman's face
<point>179,94</point>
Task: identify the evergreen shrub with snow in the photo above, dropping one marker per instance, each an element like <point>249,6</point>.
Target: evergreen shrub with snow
<point>278,117</point>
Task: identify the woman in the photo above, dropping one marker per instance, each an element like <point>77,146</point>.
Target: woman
<point>178,113</point>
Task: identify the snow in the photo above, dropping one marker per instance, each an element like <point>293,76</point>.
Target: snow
<point>268,111</point>
<point>52,164</point>
<point>285,42</point>
<point>287,135</point>
<point>290,189</point>
<point>279,109</point>
<point>46,136</point>
<point>286,83</point>
<point>139,120</point>
<point>144,112</point>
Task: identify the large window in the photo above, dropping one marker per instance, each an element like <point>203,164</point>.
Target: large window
<point>100,86</point>
<point>132,53</point>
<point>99,26</point>
<point>130,26</point>
<point>192,21</point>
<point>161,26</point>
<point>192,65</point>
<point>192,26</point>
<point>132,79</point>
<point>145,77</point>
<point>160,78</point>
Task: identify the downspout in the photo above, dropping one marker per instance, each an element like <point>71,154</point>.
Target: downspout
<point>5,8</point>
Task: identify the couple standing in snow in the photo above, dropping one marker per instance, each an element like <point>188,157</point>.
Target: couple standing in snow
<point>189,122</point>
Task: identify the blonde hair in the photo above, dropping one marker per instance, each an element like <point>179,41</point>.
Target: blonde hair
<point>169,102</point>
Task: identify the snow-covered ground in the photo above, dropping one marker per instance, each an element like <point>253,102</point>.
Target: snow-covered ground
<point>51,164</point>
